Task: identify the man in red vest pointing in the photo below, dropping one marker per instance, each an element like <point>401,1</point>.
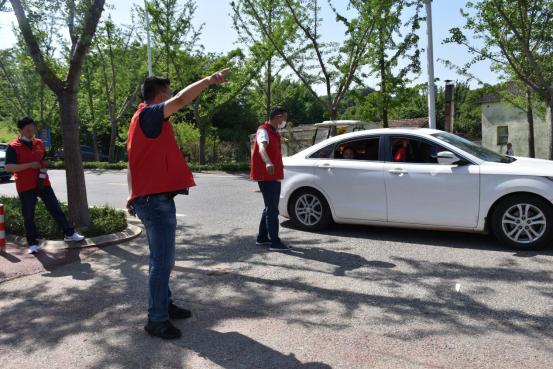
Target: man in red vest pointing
<point>157,173</point>
<point>267,169</point>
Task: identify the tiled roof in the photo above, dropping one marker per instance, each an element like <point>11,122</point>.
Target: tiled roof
<point>409,123</point>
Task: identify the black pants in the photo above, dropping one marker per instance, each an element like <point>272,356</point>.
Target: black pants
<point>268,226</point>
<point>28,205</point>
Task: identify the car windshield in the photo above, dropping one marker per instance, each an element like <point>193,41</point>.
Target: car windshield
<point>470,147</point>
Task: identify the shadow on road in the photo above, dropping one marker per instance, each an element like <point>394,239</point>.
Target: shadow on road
<point>234,350</point>
<point>342,260</point>
<point>423,237</point>
<point>225,273</point>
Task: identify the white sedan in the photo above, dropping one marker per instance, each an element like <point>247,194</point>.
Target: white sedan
<point>420,178</point>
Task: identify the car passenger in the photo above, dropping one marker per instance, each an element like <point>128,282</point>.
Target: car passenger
<point>400,152</point>
<point>348,153</point>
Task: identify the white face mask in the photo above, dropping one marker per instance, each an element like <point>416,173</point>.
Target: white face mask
<point>282,125</point>
<point>26,139</point>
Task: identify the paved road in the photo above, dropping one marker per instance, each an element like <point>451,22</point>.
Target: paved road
<point>350,297</point>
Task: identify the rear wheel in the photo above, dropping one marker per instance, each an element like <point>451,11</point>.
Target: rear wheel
<point>309,210</point>
<point>523,222</point>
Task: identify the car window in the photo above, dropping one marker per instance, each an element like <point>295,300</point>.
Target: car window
<point>470,147</point>
<point>324,153</point>
<point>412,150</point>
<point>364,149</point>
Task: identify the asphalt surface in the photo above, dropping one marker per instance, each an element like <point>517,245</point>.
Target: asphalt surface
<point>349,297</point>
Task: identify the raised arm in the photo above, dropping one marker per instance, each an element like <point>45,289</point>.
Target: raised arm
<point>190,92</point>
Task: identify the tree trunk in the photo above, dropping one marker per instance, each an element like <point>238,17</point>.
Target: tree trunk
<point>113,135</point>
<point>268,92</point>
<point>202,143</point>
<point>550,128</point>
<point>202,129</point>
<point>76,186</point>
<point>530,115</point>
<point>333,114</point>
<point>383,91</point>
<point>92,118</point>
<point>95,144</point>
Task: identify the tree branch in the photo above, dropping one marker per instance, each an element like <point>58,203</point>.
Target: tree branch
<point>47,74</point>
<point>285,58</point>
<point>91,20</point>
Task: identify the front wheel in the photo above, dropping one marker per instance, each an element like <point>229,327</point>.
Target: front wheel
<point>523,222</point>
<point>309,210</point>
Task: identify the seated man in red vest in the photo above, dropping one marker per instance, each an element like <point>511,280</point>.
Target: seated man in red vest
<point>157,173</point>
<point>267,169</point>
<point>25,157</point>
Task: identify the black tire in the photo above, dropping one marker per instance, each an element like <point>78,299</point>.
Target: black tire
<point>516,222</point>
<point>320,205</point>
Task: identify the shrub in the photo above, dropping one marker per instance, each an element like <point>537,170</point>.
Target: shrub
<point>104,220</point>
<point>224,166</point>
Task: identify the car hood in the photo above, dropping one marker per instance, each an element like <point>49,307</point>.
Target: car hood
<point>521,166</point>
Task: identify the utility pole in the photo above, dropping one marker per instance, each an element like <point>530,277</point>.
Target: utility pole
<point>148,42</point>
<point>430,57</point>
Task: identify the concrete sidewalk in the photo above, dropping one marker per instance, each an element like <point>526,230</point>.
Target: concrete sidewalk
<point>16,262</point>
<point>90,314</point>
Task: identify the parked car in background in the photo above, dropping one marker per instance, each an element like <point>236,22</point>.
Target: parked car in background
<point>87,154</point>
<point>4,176</point>
<point>420,178</point>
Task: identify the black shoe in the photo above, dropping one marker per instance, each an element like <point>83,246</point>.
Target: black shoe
<point>164,330</point>
<point>263,242</point>
<point>280,247</point>
<point>176,312</point>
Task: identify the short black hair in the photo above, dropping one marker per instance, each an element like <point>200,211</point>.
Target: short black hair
<point>152,85</point>
<point>22,123</point>
<point>277,110</point>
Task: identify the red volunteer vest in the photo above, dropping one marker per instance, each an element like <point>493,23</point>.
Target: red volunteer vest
<point>27,179</point>
<point>258,168</point>
<point>156,164</point>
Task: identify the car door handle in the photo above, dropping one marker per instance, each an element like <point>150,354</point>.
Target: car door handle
<point>397,171</point>
<point>325,165</point>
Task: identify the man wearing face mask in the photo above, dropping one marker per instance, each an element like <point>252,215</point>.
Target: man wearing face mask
<point>267,169</point>
<point>25,157</point>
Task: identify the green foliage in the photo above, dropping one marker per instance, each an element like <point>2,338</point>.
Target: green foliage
<point>104,220</point>
<point>223,167</point>
<point>227,166</point>
<point>102,165</point>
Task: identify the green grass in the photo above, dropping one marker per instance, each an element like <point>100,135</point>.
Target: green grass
<point>104,220</point>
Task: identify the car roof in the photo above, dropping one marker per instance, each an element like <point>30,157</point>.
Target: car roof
<point>341,123</point>
<point>380,131</point>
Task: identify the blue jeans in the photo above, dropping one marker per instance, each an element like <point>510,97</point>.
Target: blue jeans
<point>158,214</point>
<point>268,226</point>
<point>28,201</point>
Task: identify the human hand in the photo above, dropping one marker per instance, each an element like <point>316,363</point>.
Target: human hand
<point>219,77</point>
<point>270,168</point>
<point>130,208</point>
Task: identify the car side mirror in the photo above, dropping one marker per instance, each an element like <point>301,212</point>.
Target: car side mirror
<point>448,158</point>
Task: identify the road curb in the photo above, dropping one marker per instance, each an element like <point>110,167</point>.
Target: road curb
<point>131,232</point>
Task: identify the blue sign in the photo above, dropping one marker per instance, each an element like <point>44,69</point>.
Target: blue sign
<point>45,135</point>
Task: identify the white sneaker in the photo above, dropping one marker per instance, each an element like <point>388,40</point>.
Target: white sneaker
<point>75,237</point>
<point>33,249</point>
